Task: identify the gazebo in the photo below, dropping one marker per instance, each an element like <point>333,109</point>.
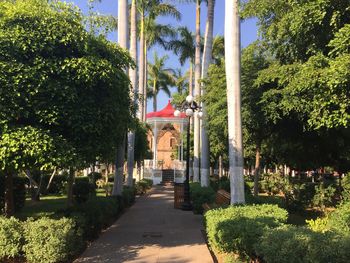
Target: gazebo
<point>165,140</point>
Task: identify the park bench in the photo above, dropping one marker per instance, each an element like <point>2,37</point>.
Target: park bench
<point>222,198</point>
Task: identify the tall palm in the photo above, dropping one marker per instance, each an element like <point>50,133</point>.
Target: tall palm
<point>233,68</point>
<point>197,91</point>
<point>159,78</point>
<point>133,79</point>
<point>218,49</point>
<point>150,10</point>
<point>123,33</point>
<point>180,81</point>
<point>184,47</point>
<point>206,61</point>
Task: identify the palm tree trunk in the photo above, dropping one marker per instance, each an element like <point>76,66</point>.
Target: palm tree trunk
<point>133,79</point>
<point>142,65</point>
<point>190,82</point>
<point>257,171</point>
<point>197,77</point>
<point>154,96</point>
<point>233,68</point>
<point>207,58</point>
<point>145,83</point>
<point>123,32</point>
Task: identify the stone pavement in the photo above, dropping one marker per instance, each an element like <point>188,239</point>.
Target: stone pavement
<point>151,231</point>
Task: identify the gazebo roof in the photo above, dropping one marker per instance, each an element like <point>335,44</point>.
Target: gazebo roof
<point>167,113</point>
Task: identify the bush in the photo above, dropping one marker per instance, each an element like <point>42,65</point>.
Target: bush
<point>323,196</point>
<point>291,244</point>
<point>49,240</point>
<point>19,192</point>
<point>94,215</point>
<point>83,189</point>
<point>128,195</point>
<point>200,195</point>
<point>283,244</point>
<point>93,177</point>
<point>237,228</point>
<point>143,185</point>
<point>339,220</point>
<point>345,182</point>
<point>11,240</point>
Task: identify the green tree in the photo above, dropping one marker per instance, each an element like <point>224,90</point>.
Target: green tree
<point>160,78</point>
<point>61,83</point>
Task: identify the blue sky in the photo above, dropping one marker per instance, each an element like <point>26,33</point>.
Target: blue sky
<point>249,28</point>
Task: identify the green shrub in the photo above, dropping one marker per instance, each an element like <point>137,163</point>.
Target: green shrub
<point>339,220</point>
<point>285,244</point>
<point>323,196</point>
<point>51,241</point>
<point>93,177</point>
<point>291,244</point>
<point>11,241</point>
<point>237,228</point>
<point>83,189</point>
<point>200,195</point>
<point>143,185</point>
<point>128,195</point>
<point>19,192</point>
<point>95,214</point>
<point>345,182</point>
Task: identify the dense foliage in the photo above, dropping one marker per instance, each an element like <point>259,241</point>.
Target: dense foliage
<point>201,195</point>
<point>238,228</point>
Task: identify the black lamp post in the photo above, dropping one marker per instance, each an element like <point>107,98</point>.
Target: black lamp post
<point>189,106</point>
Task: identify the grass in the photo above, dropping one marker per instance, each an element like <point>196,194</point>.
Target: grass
<point>48,205</point>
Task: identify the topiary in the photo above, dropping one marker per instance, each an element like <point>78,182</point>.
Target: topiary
<point>83,189</point>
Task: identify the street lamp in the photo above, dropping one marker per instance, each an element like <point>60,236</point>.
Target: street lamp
<point>189,107</point>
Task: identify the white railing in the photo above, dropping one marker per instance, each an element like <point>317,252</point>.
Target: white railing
<point>179,171</point>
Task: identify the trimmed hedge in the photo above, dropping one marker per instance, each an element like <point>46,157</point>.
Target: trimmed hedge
<point>291,244</point>
<point>201,195</point>
<point>95,214</point>
<point>49,240</point>
<point>11,241</point>
<point>128,195</point>
<point>237,228</point>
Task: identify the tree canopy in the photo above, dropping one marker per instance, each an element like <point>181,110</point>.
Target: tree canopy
<point>60,85</point>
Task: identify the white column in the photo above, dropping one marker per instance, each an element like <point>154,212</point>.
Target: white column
<point>182,142</point>
<point>155,132</point>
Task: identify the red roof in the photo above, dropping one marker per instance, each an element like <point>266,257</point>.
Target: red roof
<point>167,112</point>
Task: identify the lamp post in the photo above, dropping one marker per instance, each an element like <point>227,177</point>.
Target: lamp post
<point>189,107</point>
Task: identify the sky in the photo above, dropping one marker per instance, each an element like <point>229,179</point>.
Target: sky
<point>248,30</point>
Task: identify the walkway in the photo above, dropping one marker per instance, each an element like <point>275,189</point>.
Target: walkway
<point>151,231</point>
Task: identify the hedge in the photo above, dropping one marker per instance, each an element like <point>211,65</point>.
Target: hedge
<point>11,241</point>
<point>201,195</point>
<point>237,228</point>
<point>143,185</point>
<point>49,240</point>
<point>292,244</point>
<point>83,189</point>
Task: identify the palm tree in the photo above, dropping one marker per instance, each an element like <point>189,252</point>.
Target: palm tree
<point>207,59</point>
<point>123,30</point>
<point>150,10</point>
<point>133,79</point>
<point>197,91</point>
<point>184,47</point>
<point>160,78</point>
<point>233,68</point>
<point>180,81</point>
<point>218,49</point>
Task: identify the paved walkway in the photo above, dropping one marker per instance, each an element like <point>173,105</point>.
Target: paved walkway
<point>151,231</point>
